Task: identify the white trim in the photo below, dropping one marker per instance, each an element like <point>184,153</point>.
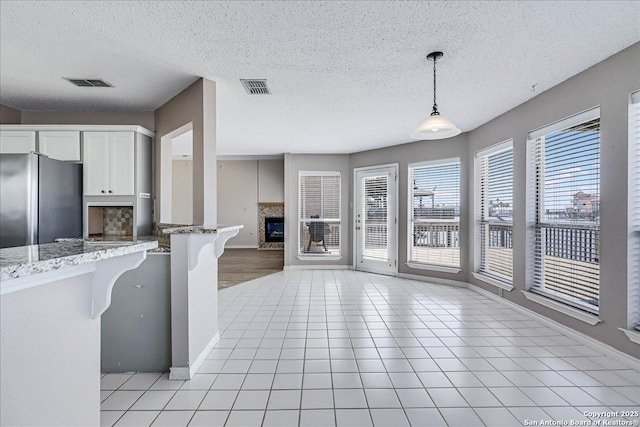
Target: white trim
<point>242,247</point>
<point>492,281</point>
<point>573,120</point>
<point>621,357</point>
<point>317,267</point>
<point>316,173</point>
<point>435,162</point>
<point>396,169</point>
<point>583,316</point>
<point>80,128</point>
<point>435,280</point>
<point>319,257</point>
<point>374,167</point>
<point>187,372</point>
<point>634,336</point>
<point>433,267</point>
<point>250,157</point>
<point>495,148</point>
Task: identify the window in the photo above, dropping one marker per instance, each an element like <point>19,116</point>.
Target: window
<point>633,281</point>
<point>495,219</point>
<point>564,165</point>
<point>434,215</point>
<point>319,213</point>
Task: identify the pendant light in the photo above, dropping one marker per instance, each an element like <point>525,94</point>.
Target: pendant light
<point>436,126</point>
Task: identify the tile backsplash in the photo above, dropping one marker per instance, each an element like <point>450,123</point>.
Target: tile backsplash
<point>118,221</point>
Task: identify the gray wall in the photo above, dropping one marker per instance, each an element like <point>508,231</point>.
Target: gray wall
<point>270,180</point>
<point>293,164</point>
<point>182,191</point>
<point>412,153</point>
<point>606,84</point>
<point>136,328</point>
<point>242,184</point>
<point>145,119</point>
<point>197,105</point>
<point>238,199</point>
<point>9,116</point>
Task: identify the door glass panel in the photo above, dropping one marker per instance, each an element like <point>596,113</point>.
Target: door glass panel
<point>375,217</point>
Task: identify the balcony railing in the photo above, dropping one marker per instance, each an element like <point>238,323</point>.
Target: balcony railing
<point>570,268</point>
<point>436,242</point>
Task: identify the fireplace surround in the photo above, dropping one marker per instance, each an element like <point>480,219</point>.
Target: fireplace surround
<point>269,210</point>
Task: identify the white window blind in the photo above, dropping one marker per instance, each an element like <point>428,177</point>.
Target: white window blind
<point>633,281</point>
<point>319,213</point>
<point>566,158</point>
<point>434,213</point>
<point>496,211</point>
<point>375,220</point>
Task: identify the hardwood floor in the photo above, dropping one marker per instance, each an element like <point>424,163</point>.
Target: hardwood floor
<point>241,265</point>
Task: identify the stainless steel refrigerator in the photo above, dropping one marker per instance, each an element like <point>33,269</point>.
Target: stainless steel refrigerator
<point>40,199</point>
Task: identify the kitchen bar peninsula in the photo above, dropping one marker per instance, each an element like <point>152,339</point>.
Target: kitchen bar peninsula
<point>194,294</point>
<point>51,300</point>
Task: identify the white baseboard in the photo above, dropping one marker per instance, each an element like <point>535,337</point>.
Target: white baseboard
<point>187,372</point>
<point>241,247</point>
<point>318,267</point>
<point>621,357</point>
<point>436,280</point>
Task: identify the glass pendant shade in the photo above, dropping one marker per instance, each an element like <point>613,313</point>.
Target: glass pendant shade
<point>435,127</point>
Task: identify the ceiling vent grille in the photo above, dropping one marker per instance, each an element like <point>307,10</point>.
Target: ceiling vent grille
<point>256,86</point>
<point>88,82</point>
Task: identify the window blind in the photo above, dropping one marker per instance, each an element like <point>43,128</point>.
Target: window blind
<point>375,219</point>
<point>567,210</point>
<point>633,281</point>
<point>434,213</point>
<point>319,213</point>
<point>496,211</point>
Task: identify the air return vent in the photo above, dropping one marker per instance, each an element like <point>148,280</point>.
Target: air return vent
<point>256,86</point>
<point>88,82</point>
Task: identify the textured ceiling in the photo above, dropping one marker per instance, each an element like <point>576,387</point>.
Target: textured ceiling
<point>345,76</point>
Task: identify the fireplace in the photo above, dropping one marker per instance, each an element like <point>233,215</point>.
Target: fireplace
<point>274,229</point>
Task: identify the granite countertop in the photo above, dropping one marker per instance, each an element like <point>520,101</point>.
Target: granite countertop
<point>201,229</point>
<point>30,260</point>
<point>111,239</point>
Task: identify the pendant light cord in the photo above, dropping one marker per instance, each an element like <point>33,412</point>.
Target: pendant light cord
<point>435,105</point>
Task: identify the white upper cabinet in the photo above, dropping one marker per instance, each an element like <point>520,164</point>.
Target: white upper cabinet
<point>17,142</point>
<point>121,163</point>
<point>60,145</point>
<point>109,167</point>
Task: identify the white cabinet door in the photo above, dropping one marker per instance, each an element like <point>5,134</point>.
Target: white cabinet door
<point>121,163</point>
<point>60,145</point>
<point>17,142</point>
<point>96,163</point>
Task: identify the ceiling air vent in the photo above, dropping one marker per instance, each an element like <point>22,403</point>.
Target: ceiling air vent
<point>88,82</point>
<point>256,86</point>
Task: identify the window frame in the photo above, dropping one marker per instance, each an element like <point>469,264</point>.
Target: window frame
<point>487,276</point>
<point>319,256</point>
<point>582,311</point>
<point>410,219</point>
<point>633,220</point>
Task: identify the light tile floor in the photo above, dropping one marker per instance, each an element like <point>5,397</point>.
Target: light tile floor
<point>335,347</point>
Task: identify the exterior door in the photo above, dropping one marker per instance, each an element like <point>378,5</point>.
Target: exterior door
<point>375,219</point>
